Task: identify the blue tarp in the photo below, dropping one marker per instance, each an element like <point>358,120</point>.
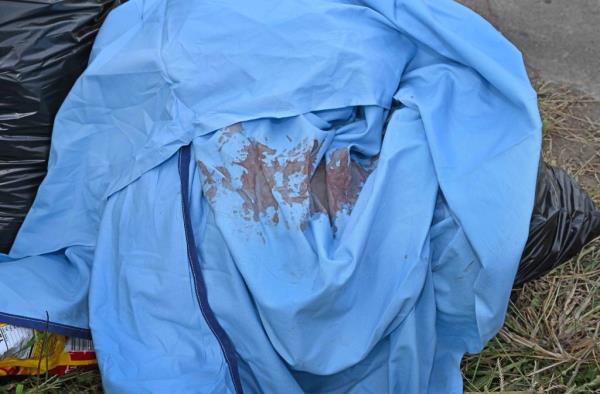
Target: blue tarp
<point>283,197</point>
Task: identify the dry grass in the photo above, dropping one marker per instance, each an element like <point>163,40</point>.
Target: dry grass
<point>550,342</point>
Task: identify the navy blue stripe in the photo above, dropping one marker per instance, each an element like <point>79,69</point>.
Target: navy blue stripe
<point>44,325</point>
<point>200,286</point>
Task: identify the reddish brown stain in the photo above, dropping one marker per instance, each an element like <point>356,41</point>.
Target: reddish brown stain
<point>295,172</point>
<point>319,203</point>
<point>344,178</point>
<point>257,189</point>
<point>333,186</point>
<point>228,132</point>
<point>209,185</point>
<point>337,178</point>
<point>226,180</point>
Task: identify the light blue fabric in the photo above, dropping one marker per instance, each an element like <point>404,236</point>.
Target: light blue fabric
<point>361,181</point>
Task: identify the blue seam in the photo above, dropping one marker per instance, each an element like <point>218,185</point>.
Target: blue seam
<point>44,325</point>
<point>199,285</point>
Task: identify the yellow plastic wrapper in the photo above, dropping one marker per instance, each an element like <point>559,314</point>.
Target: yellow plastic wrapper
<point>25,351</point>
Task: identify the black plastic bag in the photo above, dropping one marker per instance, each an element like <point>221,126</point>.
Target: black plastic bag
<point>44,47</point>
<point>564,219</point>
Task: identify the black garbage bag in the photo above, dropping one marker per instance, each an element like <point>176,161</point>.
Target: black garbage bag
<point>44,47</point>
<point>564,219</point>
